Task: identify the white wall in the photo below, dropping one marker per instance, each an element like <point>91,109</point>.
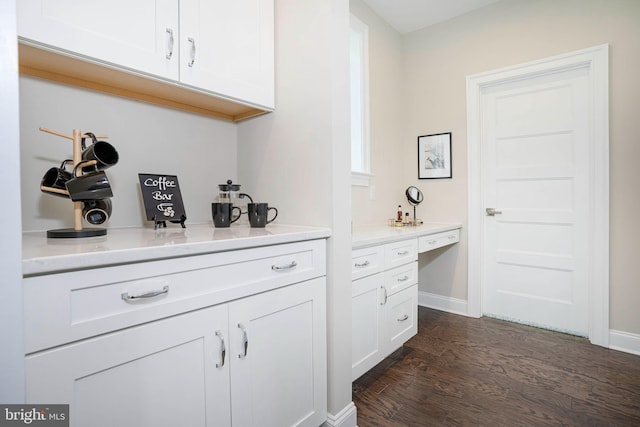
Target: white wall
<point>11,328</point>
<point>200,150</point>
<point>387,117</point>
<point>298,158</point>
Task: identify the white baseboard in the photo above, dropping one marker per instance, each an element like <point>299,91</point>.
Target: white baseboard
<point>618,340</point>
<point>347,417</point>
<point>442,303</point>
<point>624,341</point>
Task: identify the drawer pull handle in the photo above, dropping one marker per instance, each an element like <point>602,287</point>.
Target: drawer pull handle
<point>223,350</point>
<point>245,341</point>
<point>362,264</point>
<point>403,318</point>
<point>289,266</point>
<point>452,237</point>
<point>432,242</point>
<point>146,295</point>
<point>403,253</point>
<point>384,301</point>
<point>403,279</point>
<point>170,44</point>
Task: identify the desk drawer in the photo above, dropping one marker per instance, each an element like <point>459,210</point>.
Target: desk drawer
<point>366,261</point>
<point>401,277</point>
<point>434,241</point>
<point>399,253</point>
<point>66,307</point>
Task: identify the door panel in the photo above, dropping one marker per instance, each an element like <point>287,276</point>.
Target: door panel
<point>535,146</point>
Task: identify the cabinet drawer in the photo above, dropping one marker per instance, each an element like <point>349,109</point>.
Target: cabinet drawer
<point>366,261</point>
<point>399,253</point>
<point>66,307</point>
<point>401,277</point>
<point>433,241</point>
<point>401,318</point>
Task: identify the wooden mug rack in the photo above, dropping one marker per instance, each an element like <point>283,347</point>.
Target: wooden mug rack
<point>77,230</point>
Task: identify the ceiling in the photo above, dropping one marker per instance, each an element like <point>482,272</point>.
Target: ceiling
<point>411,15</point>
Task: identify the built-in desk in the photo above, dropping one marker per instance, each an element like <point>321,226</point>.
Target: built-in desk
<point>384,274</point>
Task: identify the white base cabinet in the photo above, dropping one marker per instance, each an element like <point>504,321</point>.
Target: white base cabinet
<point>256,360</point>
<point>384,302</point>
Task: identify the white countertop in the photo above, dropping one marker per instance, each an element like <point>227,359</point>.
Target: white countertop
<point>379,234</point>
<point>41,255</point>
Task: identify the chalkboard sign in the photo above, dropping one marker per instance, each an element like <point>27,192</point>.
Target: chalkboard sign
<point>162,199</point>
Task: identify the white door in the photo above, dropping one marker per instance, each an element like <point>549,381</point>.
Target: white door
<point>227,47</point>
<point>140,35</point>
<point>278,357</point>
<point>165,373</point>
<point>536,181</point>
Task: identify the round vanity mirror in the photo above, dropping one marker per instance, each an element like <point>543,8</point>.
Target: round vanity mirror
<point>414,195</point>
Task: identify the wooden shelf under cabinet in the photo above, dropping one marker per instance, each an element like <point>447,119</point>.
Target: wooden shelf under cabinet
<point>71,70</point>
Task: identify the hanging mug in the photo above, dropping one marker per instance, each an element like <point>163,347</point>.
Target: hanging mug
<point>55,179</point>
<point>89,186</point>
<point>102,152</point>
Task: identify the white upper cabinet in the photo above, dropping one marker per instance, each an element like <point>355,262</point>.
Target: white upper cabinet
<point>227,48</point>
<point>139,35</point>
<point>223,49</point>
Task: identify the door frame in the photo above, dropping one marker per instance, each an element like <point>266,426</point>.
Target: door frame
<point>596,61</point>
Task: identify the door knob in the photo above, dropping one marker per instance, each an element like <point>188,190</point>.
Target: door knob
<point>492,212</point>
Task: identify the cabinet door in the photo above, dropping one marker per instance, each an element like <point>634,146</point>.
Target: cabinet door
<point>132,34</point>
<point>165,373</point>
<point>400,318</point>
<point>365,324</point>
<point>227,48</point>
<point>278,357</point>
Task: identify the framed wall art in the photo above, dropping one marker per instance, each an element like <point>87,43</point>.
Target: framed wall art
<point>434,156</point>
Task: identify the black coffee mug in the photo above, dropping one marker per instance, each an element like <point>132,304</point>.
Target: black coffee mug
<point>222,214</point>
<point>102,152</point>
<point>258,214</point>
<point>54,180</point>
<point>96,211</point>
<point>89,186</point>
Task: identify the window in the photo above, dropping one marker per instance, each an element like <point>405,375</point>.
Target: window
<point>359,79</point>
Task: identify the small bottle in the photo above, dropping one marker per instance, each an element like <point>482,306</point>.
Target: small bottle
<point>399,212</point>
<point>406,218</point>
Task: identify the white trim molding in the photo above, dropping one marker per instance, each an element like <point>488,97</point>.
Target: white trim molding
<point>596,61</point>
<point>624,341</point>
<point>347,417</point>
<point>443,303</point>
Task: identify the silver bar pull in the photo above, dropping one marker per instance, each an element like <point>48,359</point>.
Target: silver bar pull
<point>245,341</point>
<point>403,318</point>
<point>403,279</point>
<point>362,264</point>
<point>383,302</point>
<point>151,294</point>
<point>223,350</point>
<point>193,51</point>
<point>289,266</point>
<point>170,44</point>
<point>492,212</point>
<point>403,253</point>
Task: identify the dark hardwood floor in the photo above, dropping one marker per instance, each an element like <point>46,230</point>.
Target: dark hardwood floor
<point>487,372</point>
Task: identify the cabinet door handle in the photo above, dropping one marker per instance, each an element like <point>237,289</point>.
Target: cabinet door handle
<point>362,264</point>
<point>289,266</point>
<point>385,296</point>
<point>151,294</point>
<point>403,279</point>
<point>403,318</point>
<point>432,242</point>
<point>451,237</point>
<point>193,51</point>
<point>245,341</point>
<point>403,253</point>
<point>170,43</point>
<point>223,350</point>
